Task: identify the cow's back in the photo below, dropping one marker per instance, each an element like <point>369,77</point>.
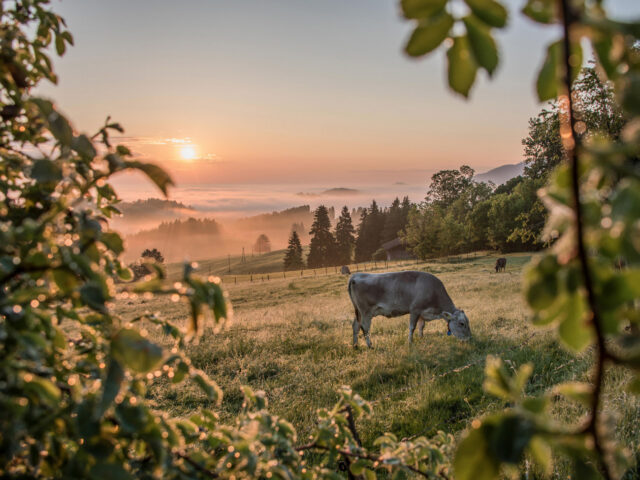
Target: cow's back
<point>396,293</point>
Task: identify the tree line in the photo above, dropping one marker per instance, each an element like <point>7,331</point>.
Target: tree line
<point>345,243</point>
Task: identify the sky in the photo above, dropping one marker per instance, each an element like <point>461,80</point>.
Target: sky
<point>291,92</point>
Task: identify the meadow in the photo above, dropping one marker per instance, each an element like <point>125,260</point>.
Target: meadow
<point>292,338</point>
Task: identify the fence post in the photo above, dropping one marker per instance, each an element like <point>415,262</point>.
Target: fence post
<point>301,272</point>
<point>251,279</point>
<point>267,277</point>
<point>314,272</point>
<point>284,275</point>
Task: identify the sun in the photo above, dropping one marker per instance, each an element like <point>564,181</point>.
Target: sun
<point>188,152</point>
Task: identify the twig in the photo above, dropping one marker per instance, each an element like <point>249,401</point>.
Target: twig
<point>196,465</point>
<point>363,456</point>
<point>570,142</point>
<point>352,425</point>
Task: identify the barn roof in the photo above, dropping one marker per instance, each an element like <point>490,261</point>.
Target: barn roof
<point>396,242</point>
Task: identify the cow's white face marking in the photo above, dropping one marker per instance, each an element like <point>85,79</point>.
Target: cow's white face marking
<point>458,324</point>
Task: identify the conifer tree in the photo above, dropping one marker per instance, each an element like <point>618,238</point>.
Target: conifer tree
<point>369,233</point>
<point>322,250</point>
<point>392,222</point>
<point>345,237</point>
<point>293,257</point>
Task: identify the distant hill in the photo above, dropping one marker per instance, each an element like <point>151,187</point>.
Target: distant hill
<point>500,175</point>
<point>338,191</point>
<point>148,213</point>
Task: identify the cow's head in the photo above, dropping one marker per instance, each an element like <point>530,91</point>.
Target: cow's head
<point>458,324</point>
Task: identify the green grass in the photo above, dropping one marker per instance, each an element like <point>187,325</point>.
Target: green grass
<point>292,339</point>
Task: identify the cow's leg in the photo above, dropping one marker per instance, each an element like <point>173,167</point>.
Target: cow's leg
<point>421,323</point>
<point>413,322</point>
<point>366,328</point>
<point>356,328</point>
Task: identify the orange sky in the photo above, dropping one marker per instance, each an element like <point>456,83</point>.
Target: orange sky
<point>288,91</point>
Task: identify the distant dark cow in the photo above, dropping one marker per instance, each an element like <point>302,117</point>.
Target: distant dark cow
<point>419,294</point>
<point>501,265</point>
<point>344,270</point>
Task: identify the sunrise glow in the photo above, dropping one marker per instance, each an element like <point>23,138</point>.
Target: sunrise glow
<point>188,153</point>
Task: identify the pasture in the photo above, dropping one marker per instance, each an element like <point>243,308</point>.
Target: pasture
<point>292,339</point>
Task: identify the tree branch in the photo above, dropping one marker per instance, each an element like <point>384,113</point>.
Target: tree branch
<point>363,456</point>
<point>196,465</point>
<point>571,144</point>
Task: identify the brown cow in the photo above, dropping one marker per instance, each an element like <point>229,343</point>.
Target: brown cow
<point>501,264</point>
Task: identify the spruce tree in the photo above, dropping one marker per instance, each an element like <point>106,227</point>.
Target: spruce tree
<point>361,240</point>
<point>392,222</point>
<point>322,250</point>
<point>293,257</point>
<point>345,237</point>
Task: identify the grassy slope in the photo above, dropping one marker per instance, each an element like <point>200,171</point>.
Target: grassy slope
<point>292,339</point>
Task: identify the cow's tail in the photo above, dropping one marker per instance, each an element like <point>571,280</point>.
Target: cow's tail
<point>357,312</point>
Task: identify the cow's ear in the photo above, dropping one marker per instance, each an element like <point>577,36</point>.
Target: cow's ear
<point>447,315</point>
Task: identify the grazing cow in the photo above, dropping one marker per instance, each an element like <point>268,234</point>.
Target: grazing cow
<point>419,294</point>
<point>344,270</point>
<point>501,264</point>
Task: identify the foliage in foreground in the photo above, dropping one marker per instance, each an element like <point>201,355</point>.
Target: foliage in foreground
<point>73,374</point>
<point>594,206</point>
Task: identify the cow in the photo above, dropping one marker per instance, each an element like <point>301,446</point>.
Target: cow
<point>420,294</point>
<point>501,264</point>
<point>344,270</point>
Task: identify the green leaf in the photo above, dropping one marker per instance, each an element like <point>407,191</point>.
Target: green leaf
<point>510,437</point>
<point>549,75</point>
<point>634,386</point>
<point>419,9</point>
<point>65,280</point>
<point>111,388</point>
<point>482,44</point>
<point>462,66</point>
<point>370,475</point>
<point>577,391</point>
<point>46,171</point>
<point>473,460</point>
<point>103,470</point>
<point>208,386</point>
<point>631,93</point>
<point>93,296</point>
<point>429,34</point>
<point>496,380</point>
<point>489,11</point>
<point>541,11</point>
<point>83,146</point>
<point>542,290</point>
<point>535,404</point>
<point>134,351</point>
<point>574,330</point>
<point>603,47</point>
<point>42,390</point>
<point>60,46</point>
<point>113,242</point>
<point>358,466</point>
<point>541,453</point>
<point>156,174</point>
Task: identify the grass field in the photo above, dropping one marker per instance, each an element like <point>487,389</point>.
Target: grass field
<point>292,339</point>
